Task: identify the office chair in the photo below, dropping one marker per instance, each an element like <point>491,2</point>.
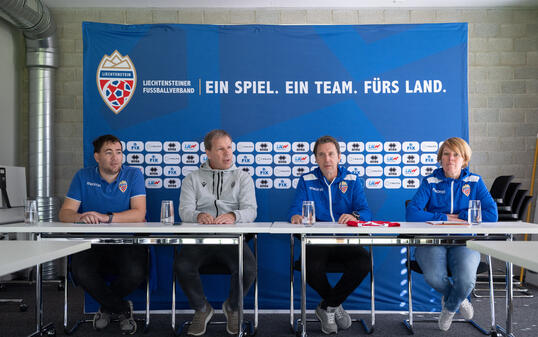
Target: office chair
<point>218,269</point>
<point>76,325</point>
<point>333,267</point>
<point>413,265</point>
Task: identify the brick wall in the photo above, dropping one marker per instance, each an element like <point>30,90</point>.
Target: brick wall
<point>503,73</point>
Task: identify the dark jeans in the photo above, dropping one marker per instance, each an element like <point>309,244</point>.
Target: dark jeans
<point>191,258</point>
<point>91,269</point>
<point>356,261</point>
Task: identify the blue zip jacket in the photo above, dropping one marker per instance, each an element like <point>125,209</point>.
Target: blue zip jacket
<point>344,195</point>
<point>439,196</point>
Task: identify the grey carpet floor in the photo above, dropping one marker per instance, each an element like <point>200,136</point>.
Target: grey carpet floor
<point>14,323</point>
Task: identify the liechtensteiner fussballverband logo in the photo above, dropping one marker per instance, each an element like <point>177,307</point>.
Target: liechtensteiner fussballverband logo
<point>116,80</point>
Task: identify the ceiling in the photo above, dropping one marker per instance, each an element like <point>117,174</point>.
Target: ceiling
<point>291,3</point>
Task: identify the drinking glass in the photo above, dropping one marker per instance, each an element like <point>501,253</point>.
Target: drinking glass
<point>309,213</point>
<point>30,211</point>
<point>474,213</point>
<point>167,212</point>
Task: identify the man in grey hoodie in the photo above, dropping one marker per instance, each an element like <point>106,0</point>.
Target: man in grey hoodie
<point>217,193</point>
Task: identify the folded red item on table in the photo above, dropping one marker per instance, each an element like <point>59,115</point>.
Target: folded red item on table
<point>359,223</point>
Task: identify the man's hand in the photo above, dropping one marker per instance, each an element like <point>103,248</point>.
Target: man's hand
<point>205,218</point>
<point>454,218</point>
<point>297,219</point>
<point>344,218</point>
<point>228,218</point>
<point>93,217</point>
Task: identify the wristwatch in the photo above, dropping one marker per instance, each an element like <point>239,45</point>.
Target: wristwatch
<point>356,215</point>
<point>110,216</point>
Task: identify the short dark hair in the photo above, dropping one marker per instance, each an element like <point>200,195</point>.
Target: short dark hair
<point>101,140</point>
<point>214,134</point>
<point>459,146</point>
<point>325,140</point>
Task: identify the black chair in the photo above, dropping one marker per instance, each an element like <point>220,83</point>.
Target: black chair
<point>218,269</point>
<point>22,306</point>
<point>521,202</point>
<point>506,205</point>
<point>513,214</point>
<point>499,186</point>
<point>84,320</point>
<point>333,267</point>
<point>523,207</point>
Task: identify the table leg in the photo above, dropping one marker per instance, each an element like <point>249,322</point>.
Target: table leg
<point>40,328</point>
<point>303,285</point>
<point>240,302</point>
<point>509,298</point>
<point>39,298</point>
<point>292,261</point>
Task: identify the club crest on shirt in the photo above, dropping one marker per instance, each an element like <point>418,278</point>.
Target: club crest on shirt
<point>466,189</point>
<point>116,80</point>
<point>122,186</point>
<point>343,186</point>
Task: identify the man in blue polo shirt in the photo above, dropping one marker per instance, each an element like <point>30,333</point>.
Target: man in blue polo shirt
<point>108,193</point>
<point>338,197</point>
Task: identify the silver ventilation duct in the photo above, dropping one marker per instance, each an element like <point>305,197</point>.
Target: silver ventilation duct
<point>33,18</point>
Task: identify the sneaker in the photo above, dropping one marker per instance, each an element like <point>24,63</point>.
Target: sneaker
<point>466,309</point>
<point>200,320</point>
<point>101,319</point>
<point>327,320</point>
<point>127,322</point>
<point>232,319</point>
<point>445,319</point>
<point>342,317</point>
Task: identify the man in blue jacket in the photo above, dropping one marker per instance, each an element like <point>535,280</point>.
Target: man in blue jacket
<point>338,197</point>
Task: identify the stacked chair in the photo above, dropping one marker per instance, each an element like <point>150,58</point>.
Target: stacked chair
<point>512,203</point>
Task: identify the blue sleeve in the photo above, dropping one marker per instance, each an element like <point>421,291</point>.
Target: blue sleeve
<point>415,210</point>
<point>489,206</point>
<point>300,196</point>
<point>75,189</point>
<point>138,186</point>
<point>360,204</point>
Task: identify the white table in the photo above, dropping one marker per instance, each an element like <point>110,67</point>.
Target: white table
<point>16,255</point>
<point>149,233</point>
<point>407,234</point>
<point>521,253</point>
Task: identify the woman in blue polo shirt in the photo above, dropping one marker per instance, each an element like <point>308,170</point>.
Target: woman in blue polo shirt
<point>444,196</point>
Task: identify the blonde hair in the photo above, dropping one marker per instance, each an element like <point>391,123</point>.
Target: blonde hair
<point>458,145</point>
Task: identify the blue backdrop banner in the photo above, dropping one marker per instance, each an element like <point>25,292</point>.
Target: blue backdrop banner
<point>389,93</point>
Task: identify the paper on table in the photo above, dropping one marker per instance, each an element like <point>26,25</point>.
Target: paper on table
<point>448,223</point>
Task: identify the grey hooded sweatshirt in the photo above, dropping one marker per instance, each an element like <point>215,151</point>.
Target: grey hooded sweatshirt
<point>217,192</point>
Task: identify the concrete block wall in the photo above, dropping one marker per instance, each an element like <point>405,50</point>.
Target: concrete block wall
<point>503,72</point>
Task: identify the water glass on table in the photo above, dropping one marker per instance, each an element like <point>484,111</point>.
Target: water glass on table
<point>30,211</point>
<point>309,213</point>
<point>474,213</point>
<point>167,212</point>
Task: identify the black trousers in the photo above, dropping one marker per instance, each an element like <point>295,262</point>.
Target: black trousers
<point>356,261</point>
<point>191,257</point>
<point>110,272</point>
